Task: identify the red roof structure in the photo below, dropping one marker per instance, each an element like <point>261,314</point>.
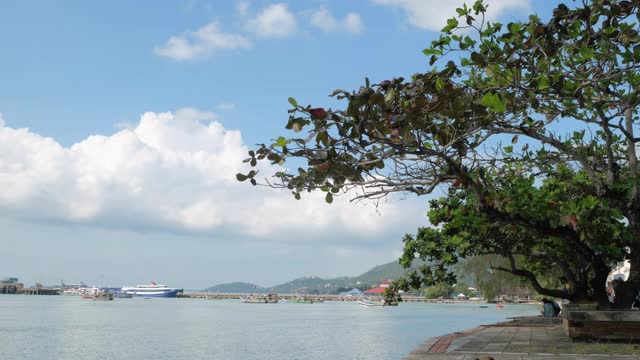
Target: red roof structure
<point>375,290</point>
<point>378,289</point>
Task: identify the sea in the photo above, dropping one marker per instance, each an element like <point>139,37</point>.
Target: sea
<point>69,327</point>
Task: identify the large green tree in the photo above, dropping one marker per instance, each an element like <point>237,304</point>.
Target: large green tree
<point>562,194</point>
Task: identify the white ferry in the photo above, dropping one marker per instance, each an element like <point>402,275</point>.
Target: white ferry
<point>152,290</point>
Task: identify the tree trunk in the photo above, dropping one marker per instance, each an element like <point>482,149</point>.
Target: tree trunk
<point>599,287</point>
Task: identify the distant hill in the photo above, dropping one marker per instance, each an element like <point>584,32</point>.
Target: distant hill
<point>317,285</point>
<point>236,288</point>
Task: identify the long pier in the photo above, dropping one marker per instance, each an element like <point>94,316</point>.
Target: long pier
<point>19,289</point>
<point>313,297</point>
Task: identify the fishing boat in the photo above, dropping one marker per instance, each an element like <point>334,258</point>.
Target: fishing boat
<point>367,303</point>
<point>103,296</point>
<point>151,290</point>
<point>253,300</point>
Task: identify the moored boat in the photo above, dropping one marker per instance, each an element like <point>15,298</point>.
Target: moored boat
<point>152,290</point>
<point>103,296</point>
<point>368,303</point>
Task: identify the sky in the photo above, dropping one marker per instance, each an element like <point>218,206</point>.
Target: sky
<point>123,124</point>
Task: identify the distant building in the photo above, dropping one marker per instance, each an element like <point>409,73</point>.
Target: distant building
<point>378,290</point>
<point>10,285</point>
<point>516,295</point>
<point>352,292</point>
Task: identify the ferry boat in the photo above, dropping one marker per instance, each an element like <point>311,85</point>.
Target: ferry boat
<point>152,290</point>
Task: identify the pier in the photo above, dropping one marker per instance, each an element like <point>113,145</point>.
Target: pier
<point>315,297</point>
<point>12,286</point>
<point>38,291</point>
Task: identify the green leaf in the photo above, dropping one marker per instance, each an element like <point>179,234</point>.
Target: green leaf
<point>439,84</point>
<point>514,139</point>
<point>478,59</point>
<point>241,177</point>
<point>451,24</point>
<point>432,51</point>
<point>329,198</point>
<point>280,142</point>
<point>543,82</point>
<point>494,102</point>
<point>293,102</point>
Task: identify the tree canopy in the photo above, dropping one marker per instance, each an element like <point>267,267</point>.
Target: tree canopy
<point>525,130</point>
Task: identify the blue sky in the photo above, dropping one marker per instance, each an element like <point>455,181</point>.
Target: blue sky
<point>122,124</point>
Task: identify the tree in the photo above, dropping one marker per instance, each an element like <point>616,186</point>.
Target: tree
<point>489,283</point>
<point>439,290</point>
<point>536,236</point>
<point>563,193</point>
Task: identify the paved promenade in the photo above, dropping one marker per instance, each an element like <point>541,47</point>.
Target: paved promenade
<point>523,338</point>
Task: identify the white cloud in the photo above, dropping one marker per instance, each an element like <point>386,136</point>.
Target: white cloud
<point>325,21</point>
<point>226,106</point>
<point>274,21</point>
<point>242,7</point>
<point>169,171</point>
<point>353,23</point>
<point>201,43</point>
<point>433,14</point>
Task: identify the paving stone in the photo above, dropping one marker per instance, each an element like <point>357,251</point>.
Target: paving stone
<point>542,342</point>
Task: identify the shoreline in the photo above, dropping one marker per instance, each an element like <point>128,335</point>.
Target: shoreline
<point>529,337</point>
<point>327,297</point>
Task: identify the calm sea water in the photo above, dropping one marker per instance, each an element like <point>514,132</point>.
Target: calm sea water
<point>63,327</point>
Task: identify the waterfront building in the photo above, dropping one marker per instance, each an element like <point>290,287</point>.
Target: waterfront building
<point>378,290</point>
<point>516,295</point>
<point>10,285</point>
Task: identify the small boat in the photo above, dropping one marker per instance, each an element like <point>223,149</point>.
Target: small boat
<point>87,297</point>
<point>103,296</point>
<point>499,306</point>
<point>484,306</point>
<point>367,303</point>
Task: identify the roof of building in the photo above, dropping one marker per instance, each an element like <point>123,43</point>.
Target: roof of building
<point>375,290</point>
<point>353,291</point>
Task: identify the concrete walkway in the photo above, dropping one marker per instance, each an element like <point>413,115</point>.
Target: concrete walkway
<point>523,338</point>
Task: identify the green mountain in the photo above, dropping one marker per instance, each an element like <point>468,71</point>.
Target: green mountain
<point>316,285</point>
<point>236,288</point>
